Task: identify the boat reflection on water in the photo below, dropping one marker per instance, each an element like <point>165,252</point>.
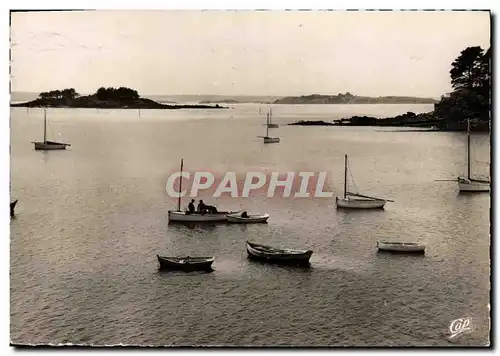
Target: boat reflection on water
<point>207,227</point>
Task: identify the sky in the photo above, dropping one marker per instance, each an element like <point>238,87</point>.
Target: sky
<point>173,52</point>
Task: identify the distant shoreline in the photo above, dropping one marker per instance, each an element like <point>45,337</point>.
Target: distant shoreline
<point>349,99</point>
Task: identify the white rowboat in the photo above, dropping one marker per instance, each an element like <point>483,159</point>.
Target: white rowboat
<point>251,219</point>
<point>405,247</point>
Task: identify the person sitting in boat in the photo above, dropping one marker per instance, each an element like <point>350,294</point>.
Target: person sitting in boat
<point>202,208</point>
<point>211,209</point>
<point>191,207</point>
<point>245,215</point>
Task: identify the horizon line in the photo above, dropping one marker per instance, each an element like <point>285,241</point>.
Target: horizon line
<point>255,95</point>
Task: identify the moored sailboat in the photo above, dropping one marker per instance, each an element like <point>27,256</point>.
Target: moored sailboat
<point>470,184</point>
<point>356,200</point>
<point>267,138</point>
<point>269,123</point>
<point>48,145</point>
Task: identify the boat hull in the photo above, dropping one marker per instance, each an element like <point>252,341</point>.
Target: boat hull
<point>185,264</point>
<point>252,219</point>
<point>13,207</point>
<point>360,203</point>
<point>49,146</point>
<point>395,247</point>
<point>465,185</point>
<point>273,126</point>
<point>271,139</point>
<point>294,257</point>
<point>181,216</point>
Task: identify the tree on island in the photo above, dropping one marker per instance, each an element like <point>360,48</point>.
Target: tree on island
<point>59,94</point>
<point>116,94</point>
<point>467,70</point>
<point>471,81</point>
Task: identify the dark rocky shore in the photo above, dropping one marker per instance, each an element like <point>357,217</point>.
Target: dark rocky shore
<point>92,101</point>
<point>410,119</point>
<point>312,123</point>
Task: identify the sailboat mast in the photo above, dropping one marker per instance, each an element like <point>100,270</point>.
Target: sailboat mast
<point>180,186</point>
<point>267,125</point>
<point>345,177</point>
<point>44,125</point>
<point>468,149</point>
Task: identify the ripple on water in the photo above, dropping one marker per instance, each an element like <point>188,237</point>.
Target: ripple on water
<point>91,220</point>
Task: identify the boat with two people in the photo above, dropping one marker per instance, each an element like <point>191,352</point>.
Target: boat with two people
<point>278,255</point>
<point>48,145</point>
<point>205,213</point>
<point>186,263</point>
<point>356,200</point>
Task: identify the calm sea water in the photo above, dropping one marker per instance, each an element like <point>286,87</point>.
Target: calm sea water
<point>90,221</point>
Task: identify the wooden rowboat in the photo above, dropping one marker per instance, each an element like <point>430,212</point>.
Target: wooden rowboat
<point>401,247</point>
<point>186,263</point>
<point>277,255</point>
